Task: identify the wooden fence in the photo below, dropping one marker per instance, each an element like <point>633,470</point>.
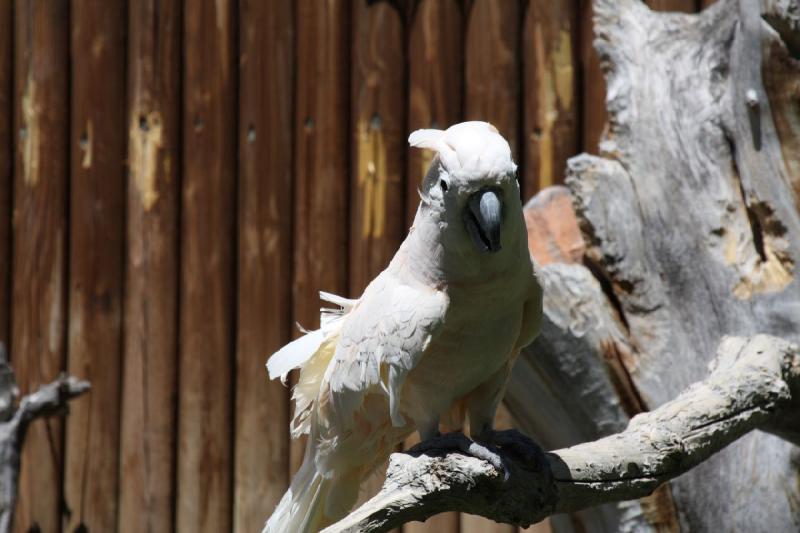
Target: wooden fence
<point>178,179</point>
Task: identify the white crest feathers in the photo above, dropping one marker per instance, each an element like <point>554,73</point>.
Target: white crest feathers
<point>473,148</point>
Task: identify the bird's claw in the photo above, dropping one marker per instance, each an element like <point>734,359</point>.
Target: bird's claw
<point>458,441</point>
<point>481,451</point>
<point>517,444</point>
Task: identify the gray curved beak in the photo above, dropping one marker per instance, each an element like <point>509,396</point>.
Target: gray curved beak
<point>483,218</point>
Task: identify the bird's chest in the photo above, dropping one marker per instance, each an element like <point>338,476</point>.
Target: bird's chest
<point>479,332</point>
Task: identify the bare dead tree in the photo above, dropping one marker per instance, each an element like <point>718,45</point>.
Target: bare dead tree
<point>49,400</point>
<point>691,224</point>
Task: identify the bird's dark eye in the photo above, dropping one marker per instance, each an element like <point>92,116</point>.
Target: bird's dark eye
<point>443,185</point>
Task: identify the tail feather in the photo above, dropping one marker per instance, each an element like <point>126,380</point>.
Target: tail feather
<point>312,502</point>
<point>299,509</point>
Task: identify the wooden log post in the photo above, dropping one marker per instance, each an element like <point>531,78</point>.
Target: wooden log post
<point>97,236</point>
<point>208,251</point>
<point>435,100</point>
<point>266,96</point>
<point>435,81</point>
<point>39,270</point>
<point>378,137</point>
<point>321,163</point>
<point>550,98</point>
<point>150,332</point>
<point>6,161</point>
<point>492,66</point>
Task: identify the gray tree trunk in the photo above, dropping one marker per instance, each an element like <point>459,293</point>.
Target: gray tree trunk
<point>692,220</point>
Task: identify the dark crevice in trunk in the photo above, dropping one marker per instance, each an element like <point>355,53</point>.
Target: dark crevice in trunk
<point>608,289</point>
<point>755,224</point>
<point>630,398</point>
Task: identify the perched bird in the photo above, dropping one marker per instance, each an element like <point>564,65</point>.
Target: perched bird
<point>434,335</point>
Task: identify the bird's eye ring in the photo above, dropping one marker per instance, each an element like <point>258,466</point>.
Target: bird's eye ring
<point>443,184</point>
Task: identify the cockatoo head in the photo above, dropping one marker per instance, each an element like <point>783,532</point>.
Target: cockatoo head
<point>471,183</point>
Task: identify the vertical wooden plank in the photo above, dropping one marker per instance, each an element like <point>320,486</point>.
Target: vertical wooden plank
<point>593,97</point>
<point>6,167</point>
<point>686,6</point>
<point>492,66</point>
<point>550,102</point>
<point>435,57</point>
<point>435,99</point>
<point>265,252</point>
<point>322,154</point>
<point>378,134</point>
<point>205,423</point>
<point>39,256</point>
<point>147,448</point>
<point>96,253</point>
<point>492,91</point>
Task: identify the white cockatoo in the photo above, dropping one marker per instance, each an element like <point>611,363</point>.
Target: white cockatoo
<point>435,333</point>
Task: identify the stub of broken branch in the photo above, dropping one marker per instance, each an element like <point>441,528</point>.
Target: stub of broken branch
<point>754,383</point>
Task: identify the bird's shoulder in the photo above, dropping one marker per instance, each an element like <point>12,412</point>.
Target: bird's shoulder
<point>395,314</point>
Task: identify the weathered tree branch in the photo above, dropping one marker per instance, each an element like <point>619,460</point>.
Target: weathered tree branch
<point>50,399</point>
<point>754,383</point>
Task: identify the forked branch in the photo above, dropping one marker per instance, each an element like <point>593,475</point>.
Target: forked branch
<point>50,399</point>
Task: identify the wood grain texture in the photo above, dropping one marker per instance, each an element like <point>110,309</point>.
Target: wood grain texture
<point>97,188</point>
<point>266,96</point>
<point>322,179</point>
<point>378,136</point>
<point>6,163</point>
<point>550,101</point>
<point>207,309</point>
<point>435,84</point>
<point>439,523</point>
<point>492,67</point>
<point>593,84</point>
<point>41,104</point>
<point>149,386</point>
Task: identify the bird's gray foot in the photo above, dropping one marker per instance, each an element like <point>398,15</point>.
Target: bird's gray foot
<point>458,441</point>
<point>516,444</point>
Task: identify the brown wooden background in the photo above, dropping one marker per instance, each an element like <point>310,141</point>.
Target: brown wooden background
<point>178,179</point>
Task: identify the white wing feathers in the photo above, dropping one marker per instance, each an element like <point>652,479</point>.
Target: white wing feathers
<point>366,345</point>
<point>311,353</point>
<point>296,353</point>
<point>381,341</point>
